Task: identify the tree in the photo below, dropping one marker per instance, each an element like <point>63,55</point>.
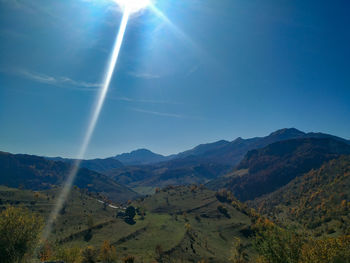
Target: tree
<point>239,254</point>
<point>89,255</point>
<point>19,233</point>
<point>277,245</point>
<point>108,253</point>
<point>130,213</point>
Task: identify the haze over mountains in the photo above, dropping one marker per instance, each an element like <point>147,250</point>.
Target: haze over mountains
<point>202,197</point>
<point>222,151</point>
<point>204,162</point>
<point>248,167</point>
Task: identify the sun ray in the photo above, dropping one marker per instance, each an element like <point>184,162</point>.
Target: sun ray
<point>91,126</point>
<point>198,50</point>
<point>178,32</point>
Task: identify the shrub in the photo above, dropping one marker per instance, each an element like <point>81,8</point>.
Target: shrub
<point>108,253</point>
<point>277,245</point>
<point>19,233</point>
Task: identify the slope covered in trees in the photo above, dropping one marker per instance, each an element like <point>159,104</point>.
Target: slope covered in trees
<point>263,171</point>
<point>319,200</point>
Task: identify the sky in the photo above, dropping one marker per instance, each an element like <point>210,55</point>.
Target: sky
<point>222,69</point>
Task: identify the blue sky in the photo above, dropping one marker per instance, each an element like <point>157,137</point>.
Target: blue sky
<point>227,68</point>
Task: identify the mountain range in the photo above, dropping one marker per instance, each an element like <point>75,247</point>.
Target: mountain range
<point>248,167</point>
<point>37,173</point>
<point>204,162</point>
<point>193,205</point>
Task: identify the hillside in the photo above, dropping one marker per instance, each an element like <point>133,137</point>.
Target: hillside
<point>319,200</point>
<point>176,172</point>
<point>98,165</point>
<point>37,173</point>
<point>184,223</point>
<point>72,218</point>
<point>265,170</point>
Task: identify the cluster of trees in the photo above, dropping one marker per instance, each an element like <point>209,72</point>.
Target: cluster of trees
<point>277,245</point>
<point>319,200</point>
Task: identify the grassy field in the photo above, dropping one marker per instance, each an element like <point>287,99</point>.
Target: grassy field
<point>184,223</point>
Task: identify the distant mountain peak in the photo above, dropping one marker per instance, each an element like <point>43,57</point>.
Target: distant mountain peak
<point>287,131</point>
<point>238,139</point>
<point>142,151</point>
<point>140,156</point>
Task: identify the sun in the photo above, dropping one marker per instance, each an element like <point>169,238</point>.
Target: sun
<point>133,5</point>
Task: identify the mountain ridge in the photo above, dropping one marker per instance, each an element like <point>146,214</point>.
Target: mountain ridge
<point>37,173</point>
<point>266,169</point>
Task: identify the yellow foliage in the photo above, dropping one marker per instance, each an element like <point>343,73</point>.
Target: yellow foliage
<point>46,252</point>
<point>326,250</point>
<point>19,232</point>
<point>108,253</point>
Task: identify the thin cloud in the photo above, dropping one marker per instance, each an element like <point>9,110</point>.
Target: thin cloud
<point>127,99</point>
<point>143,75</point>
<point>58,81</point>
<point>165,114</point>
<point>157,113</point>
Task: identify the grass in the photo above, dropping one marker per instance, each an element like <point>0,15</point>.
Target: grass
<point>185,222</point>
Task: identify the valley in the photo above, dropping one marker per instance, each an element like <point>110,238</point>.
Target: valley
<point>197,207</point>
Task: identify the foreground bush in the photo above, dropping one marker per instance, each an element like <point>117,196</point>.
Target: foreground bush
<point>19,233</point>
<point>277,245</point>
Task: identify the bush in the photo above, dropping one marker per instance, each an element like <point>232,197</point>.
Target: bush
<point>19,233</point>
<point>277,245</point>
<point>108,253</point>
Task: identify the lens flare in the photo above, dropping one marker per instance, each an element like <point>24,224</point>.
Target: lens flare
<point>128,7</point>
<point>133,5</point>
<point>91,127</point>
